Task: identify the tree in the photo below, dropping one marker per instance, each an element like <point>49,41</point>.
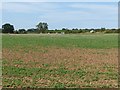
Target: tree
<point>0,30</point>
<point>103,29</point>
<point>23,31</point>
<point>31,30</point>
<point>63,28</point>
<point>7,28</point>
<point>42,27</point>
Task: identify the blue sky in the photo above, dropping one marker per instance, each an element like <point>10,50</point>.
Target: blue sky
<point>61,14</point>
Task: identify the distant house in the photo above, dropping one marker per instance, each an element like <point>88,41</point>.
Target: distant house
<point>92,31</point>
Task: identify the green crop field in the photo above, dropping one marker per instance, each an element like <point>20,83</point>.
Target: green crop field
<point>60,61</point>
<point>65,41</point>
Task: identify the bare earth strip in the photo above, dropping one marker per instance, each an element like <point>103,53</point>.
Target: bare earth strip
<point>99,65</point>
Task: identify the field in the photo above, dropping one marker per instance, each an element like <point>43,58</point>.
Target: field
<point>60,61</point>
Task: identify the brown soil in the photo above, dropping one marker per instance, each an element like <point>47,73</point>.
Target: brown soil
<point>67,56</point>
<point>91,60</point>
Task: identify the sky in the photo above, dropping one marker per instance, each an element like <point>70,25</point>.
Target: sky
<point>60,15</point>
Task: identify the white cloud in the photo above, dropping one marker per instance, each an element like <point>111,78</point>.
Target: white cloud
<point>94,6</point>
<point>91,11</point>
<point>104,10</point>
<point>69,12</point>
<point>16,7</point>
<point>28,7</point>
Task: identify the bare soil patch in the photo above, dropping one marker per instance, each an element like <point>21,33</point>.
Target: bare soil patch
<point>96,62</point>
<point>67,56</point>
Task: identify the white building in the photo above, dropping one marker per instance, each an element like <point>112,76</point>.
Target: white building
<point>92,31</point>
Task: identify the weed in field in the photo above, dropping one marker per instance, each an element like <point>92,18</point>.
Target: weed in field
<point>45,65</point>
<point>80,72</point>
<point>58,85</point>
<point>95,78</point>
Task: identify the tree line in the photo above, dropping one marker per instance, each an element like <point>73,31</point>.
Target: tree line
<point>42,27</point>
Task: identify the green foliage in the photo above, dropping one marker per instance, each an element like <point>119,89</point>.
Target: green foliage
<point>32,30</point>
<point>42,27</point>
<point>22,76</point>
<point>22,31</point>
<point>7,28</point>
<point>80,73</point>
<point>58,85</point>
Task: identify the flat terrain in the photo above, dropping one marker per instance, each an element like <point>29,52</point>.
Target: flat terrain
<point>81,60</point>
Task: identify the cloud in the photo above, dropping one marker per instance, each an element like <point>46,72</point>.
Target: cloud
<point>17,7</point>
<point>28,7</point>
<point>94,6</point>
<point>98,9</point>
<point>61,14</point>
<point>86,11</point>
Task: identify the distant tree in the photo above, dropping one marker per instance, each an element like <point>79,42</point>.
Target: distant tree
<point>79,31</point>
<point>7,28</point>
<point>42,27</point>
<point>103,29</point>
<point>118,30</point>
<point>32,30</point>
<point>63,28</point>
<point>97,30</point>
<point>74,29</point>
<point>16,32</point>
<point>0,30</point>
<point>22,31</point>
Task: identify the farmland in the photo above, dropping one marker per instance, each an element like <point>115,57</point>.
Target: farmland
<point>60,61</point>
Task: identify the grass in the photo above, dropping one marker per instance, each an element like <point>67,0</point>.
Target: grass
<point>49,61</point>
<point>66,41</point>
